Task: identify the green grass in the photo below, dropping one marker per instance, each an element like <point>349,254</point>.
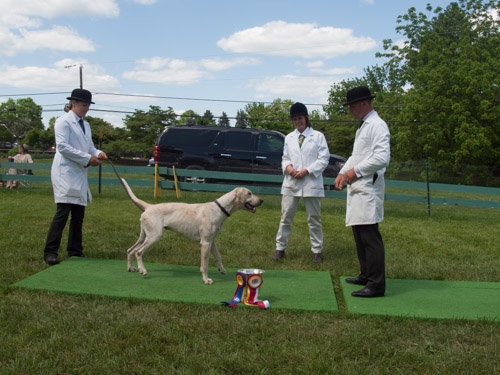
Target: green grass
<point>52,333</point>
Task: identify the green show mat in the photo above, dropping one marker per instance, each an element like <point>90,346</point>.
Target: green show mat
<point>298,290</point>
<point>429,299</point>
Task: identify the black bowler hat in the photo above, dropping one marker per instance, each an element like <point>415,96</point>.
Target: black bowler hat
<point>358,94</point>
<point>81,95</point>
<point>298,109</point>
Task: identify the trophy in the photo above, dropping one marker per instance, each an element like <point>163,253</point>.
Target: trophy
<point>249,280</point>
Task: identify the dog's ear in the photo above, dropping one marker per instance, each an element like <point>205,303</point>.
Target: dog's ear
<point>241,194</point>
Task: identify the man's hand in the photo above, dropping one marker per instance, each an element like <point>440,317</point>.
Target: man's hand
<point>339,182</point>
<point>295,173</point>
<point>93,162</point>
<point>102,156</point>
<point>301,174</point>
<point>350,176</point>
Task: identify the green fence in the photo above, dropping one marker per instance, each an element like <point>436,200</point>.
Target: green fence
<point>41,173</point>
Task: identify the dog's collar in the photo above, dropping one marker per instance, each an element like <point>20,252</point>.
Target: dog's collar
<point>222,208</point>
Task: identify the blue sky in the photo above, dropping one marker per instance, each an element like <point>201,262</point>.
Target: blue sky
<point>189,54</point>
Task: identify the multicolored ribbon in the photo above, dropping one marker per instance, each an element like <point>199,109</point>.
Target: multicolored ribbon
<point>248,290</point>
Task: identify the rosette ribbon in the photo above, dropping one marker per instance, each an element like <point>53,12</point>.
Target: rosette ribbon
<point>247,291</point>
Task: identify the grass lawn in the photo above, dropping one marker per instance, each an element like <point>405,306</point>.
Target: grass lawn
<point>52,333</point>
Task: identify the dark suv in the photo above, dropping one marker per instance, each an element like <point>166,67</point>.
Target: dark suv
<point>226,149</point>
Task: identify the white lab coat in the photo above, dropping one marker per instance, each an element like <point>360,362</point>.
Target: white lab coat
<point>73,150</point>
<point>313,155</point>
<point>370,154</point>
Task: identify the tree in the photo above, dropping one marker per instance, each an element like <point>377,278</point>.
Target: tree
<point>223,120</point>
<point>189,117</point>
<point>20,116</point>
<point>241,119</point>
<point>275,116</point>
<point>145,127</point>
<point>451,62</point>
<point>440,90</point>
<point>39,139</point>
<point>98,126</point>
<point>207,119</point>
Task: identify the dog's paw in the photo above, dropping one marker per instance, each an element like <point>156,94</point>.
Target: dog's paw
<point>132,269</point>
<point>143,272</point>
<point>208,281</point>
<point>222,270</point>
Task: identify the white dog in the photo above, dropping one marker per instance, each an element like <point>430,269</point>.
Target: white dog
<point>198,222</point>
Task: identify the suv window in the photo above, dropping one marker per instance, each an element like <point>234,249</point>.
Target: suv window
<point>179,138</point>
<point>269,143</point>
<point>238,141</point>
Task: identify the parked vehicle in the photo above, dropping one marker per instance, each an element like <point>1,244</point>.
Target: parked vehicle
<point>225,149</point>
<point>5,146</point>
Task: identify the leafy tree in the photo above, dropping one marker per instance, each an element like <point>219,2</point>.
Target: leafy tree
<point>223,120</point>
<point>98,126</point>
<point>207,119</point>
<point>40,139</point>
<point>145,127</point>
<point>439,91</point>
<point>275,116</point>
<point>451,62</point>
<point>241,119</point>
<point>20,116</point>
<point>189,117</point>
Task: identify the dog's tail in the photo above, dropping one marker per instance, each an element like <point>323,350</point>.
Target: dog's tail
<point>138,202</point>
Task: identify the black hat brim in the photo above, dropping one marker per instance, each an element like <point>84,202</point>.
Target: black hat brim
<point>369,97</point>
<point>79,99</point>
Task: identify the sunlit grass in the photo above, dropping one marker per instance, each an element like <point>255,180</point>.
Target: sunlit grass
<point>52,333</point>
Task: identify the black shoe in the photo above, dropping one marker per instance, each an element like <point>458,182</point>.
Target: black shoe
<point>368,293</point>
<point>279,255</point>
<point>317,258</point>
<point>356,280</point>
<point>51,260</point>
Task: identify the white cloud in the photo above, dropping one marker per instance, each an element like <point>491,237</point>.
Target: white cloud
<point>305,40</point>
<point>494,14</point>
<point>181,72</point>
<point>166,70</point>
<point>369,2</point>
<point>144,2</point>
<point>311,64</point>
<point>35,77</point>
<point>22,27</point>
<point>334,71</point>
<point>292,86</point>
<point>58,38</point>
<point>59,8</point>
<point>218,64</point>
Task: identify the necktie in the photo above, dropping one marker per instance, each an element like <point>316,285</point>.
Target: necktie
<point>301,139</point>
<point>81,125</point>
<point>361,124</point>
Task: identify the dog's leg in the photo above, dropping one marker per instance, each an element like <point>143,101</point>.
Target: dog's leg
<point>131,251</point>
<point>141,250</point>
<point>205,254</point>
<point>218,259</point>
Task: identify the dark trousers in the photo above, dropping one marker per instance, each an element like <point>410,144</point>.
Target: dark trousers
<point>57,227</point>
<point>371,255</point>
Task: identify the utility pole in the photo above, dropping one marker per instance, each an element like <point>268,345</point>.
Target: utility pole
<point>81,73</point>
<point>81,76</point>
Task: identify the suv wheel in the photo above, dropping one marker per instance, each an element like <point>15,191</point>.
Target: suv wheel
<point>199,180</point>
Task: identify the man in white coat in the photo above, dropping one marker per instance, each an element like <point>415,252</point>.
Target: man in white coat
<point>75,152</point>
<point>364,174</point>
<point>305,157</point>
